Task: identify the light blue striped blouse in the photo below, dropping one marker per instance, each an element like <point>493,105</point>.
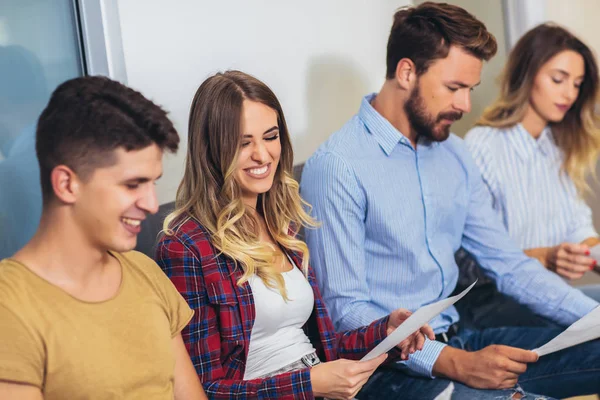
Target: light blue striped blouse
<point>536,201</point>
<point>392,219</point>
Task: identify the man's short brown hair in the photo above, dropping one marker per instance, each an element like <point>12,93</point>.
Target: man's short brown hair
<point>425,33</point>
<point>88,118</point>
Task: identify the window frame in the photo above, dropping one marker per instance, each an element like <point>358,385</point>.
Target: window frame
<point>101,43</point>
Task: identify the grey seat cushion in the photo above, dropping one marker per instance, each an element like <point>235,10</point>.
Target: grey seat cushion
<point>151,227</point>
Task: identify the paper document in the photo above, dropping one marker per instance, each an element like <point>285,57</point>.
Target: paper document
<point>587,328</point>
<point>413,323</point>
<point>447,393</point>
<point>595,254</point>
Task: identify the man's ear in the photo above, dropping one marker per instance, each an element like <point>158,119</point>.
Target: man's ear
<point>406,73</point>
<point>65,184</point>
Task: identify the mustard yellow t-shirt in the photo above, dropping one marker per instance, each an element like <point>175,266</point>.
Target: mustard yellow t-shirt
<point>120,348</point>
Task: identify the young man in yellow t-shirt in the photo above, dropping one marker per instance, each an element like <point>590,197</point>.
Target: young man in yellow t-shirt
<point>81,316</point>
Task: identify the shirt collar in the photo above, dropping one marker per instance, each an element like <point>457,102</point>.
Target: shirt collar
<point>526,146</point>
<point>382,130</point>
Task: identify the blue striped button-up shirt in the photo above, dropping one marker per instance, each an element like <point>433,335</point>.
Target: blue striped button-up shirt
<point>536,201</point>
<point>392,219</point>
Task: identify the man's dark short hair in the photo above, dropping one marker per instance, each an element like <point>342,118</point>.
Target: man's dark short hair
<point>426,32</point>
<point>88,118</point>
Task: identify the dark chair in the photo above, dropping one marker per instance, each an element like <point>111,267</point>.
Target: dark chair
<point>484,306</point>
<point>298,171</point>
<point>151,227</point>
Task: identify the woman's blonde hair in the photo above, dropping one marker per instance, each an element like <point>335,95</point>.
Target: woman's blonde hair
<point>210,194</point>
<point>577,134</point>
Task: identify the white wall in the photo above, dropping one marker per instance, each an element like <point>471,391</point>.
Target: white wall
<point>319,57</point>
<point>579,16</point>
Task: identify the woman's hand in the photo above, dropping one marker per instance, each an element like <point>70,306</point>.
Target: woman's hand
<point>342,379</point>
<point>415,341</point>
<point>570,260</point>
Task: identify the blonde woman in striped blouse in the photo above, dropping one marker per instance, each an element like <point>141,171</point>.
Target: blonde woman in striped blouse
<point>537,144</point>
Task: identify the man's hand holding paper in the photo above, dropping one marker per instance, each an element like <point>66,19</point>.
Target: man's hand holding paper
<point>416,340</point>
<point>406,326</point>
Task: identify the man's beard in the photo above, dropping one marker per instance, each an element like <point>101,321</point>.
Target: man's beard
<point>424,124</point>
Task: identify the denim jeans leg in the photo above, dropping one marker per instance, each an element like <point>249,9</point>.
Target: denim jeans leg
<point>392,384</point>
<point>570,372</point>
<point>567,373</point>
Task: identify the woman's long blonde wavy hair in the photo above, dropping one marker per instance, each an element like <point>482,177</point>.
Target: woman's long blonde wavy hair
<point>578,134</point>
<point>210,194</point>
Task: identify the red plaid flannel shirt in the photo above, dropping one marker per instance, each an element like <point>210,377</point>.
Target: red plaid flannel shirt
<point>218,335</point>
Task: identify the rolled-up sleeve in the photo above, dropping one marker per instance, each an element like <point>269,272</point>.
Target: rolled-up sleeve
<point>422,362</point>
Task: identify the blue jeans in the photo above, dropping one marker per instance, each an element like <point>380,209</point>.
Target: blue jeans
<point>570,372</point>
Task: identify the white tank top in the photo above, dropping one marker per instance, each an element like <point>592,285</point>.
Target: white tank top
<point>277,338</point>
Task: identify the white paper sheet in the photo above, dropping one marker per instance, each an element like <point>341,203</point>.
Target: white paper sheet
<point>595,254</point>
<point>447,393</point>
<point>587,328</point>
<point>413,323</point>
